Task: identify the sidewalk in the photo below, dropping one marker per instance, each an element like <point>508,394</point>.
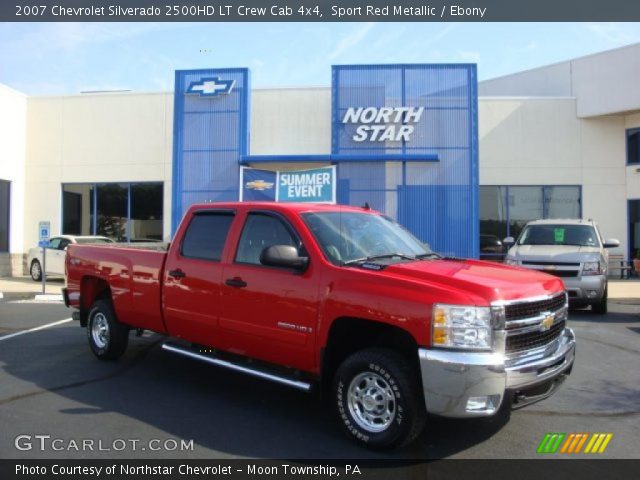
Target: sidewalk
<point>22,288</point>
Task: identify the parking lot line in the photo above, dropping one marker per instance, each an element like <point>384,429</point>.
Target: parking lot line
<point>35,329</point>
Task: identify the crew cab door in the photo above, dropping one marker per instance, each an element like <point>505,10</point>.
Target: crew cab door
<point>193,275</point>
<point>269,313</point>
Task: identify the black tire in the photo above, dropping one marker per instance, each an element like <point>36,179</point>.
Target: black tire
<point>600,307</point>
<point>392,373</point>
<point>102,319</point>
<point>35,269</point>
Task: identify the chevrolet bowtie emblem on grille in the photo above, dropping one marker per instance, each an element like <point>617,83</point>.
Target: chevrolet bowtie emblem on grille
<point>550,268</point>
<point>546,323</point>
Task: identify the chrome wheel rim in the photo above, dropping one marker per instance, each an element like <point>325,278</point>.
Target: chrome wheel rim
<point>371,402</point>
<point>35,270</point>
<point>100,330</point>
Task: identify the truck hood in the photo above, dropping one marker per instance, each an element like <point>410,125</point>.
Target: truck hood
<point>555,253</point>
<point>487,280</point>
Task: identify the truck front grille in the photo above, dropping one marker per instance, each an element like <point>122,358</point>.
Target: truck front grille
<point>531,340</point>
<point>518,311</point>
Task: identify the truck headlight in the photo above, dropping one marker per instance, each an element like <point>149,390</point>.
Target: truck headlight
<point>460,326</point>
<point>592,268</point>
<point>510,261</point>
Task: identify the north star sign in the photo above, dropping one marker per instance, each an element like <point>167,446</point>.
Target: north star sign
<point>384,124</point>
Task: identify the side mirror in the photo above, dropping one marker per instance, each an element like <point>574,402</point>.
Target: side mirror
<point>283,256</point>
<point>509,241</point>
<point>611,243</point>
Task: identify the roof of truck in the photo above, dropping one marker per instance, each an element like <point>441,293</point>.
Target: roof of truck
<point>294,207</point>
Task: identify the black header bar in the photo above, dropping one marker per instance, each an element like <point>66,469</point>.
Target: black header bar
<point>318,10</point>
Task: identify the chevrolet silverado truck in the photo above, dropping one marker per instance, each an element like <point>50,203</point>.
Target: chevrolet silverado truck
<point>339,298</point>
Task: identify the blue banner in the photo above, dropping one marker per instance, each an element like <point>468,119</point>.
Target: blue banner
<point>314,185</point>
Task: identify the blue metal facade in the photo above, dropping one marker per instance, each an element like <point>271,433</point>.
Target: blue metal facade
<point>428,183</point>
<point>210,135</point>
<point>437,201</point>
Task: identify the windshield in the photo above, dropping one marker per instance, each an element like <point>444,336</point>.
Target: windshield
<point>578,235</point>
<point>349,236</point>
<point>93,240</point>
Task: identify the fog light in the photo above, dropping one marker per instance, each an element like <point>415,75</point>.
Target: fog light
<point>482,404</point>
<point>592,294</point>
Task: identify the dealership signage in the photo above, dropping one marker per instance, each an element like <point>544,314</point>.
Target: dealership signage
<point>211,87</point>
<point>384,124</point>
<point>315,185</point>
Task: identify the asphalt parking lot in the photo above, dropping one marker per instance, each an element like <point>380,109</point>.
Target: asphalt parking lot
<point>50,384</point>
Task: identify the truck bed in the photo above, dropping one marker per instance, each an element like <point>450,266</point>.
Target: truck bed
<point>133,274</point>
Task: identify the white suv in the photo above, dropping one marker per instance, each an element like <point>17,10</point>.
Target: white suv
<point>570,249</point>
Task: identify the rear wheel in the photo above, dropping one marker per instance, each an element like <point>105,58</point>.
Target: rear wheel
<point>108,338</point>
<point>378,399</point>
<point>601,307</point>
<point>36,271</point>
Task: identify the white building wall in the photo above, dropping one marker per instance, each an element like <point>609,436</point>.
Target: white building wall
<point>542,142</point>
<point>291,121</point>
<point>604,83</point>
<point>13,111</point>
<point>94,138</point>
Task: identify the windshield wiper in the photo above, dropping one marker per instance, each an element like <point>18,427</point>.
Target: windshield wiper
<point>378,257</point>
<point>429,255</point>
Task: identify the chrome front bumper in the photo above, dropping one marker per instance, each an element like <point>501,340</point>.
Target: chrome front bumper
<point>585,289</point>
<point>464,384</point>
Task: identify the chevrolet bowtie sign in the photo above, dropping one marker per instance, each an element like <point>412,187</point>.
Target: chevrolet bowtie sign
<point>211,87</point>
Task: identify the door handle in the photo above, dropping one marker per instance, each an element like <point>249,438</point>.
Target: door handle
<point>236,282</point>
<point>177,273</point>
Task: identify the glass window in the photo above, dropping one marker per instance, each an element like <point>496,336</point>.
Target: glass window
<point>493,221</point>
<point>633,146</point>
<point>54,243</point>
<point>64,243</point>
<point>5,200</point>
<point>562,202</point>
<point>146,212</point>
<point>259,232</point>
<point>206,235</point>
<point>124,212</point>
<point>525,204</point>
<point>77,209</point>
<point>634,229</point>
<point>350,236</point>
<point>548,234</point>
<point>112,208</point>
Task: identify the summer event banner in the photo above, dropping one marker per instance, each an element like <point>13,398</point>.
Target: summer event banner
<point>315,185</point>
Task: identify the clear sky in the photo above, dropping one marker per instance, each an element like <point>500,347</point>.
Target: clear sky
<point>58,58</point>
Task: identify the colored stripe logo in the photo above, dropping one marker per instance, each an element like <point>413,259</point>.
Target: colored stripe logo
<point>573,443</point>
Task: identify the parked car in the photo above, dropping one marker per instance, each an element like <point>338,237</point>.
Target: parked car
<point>491,248</point>
<point>56,253</point>
<point>573,250</point>
<point>338,297</point>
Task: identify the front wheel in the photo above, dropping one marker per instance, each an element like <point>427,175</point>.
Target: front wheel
<point>601,307</point>
<point>108,338</point>
<point>36,271</point>
<point>378,398</point>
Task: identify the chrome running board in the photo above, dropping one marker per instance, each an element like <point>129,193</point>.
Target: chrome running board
<point>304,386</point>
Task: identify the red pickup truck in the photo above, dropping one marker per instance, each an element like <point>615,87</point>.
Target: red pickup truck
<point>337,297</point>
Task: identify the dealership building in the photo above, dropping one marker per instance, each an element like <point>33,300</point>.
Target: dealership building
<point>457,162</point>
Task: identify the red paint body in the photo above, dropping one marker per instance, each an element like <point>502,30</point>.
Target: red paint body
<point>202,309</point>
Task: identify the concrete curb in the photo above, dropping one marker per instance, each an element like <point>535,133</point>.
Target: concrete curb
<point>48,298</point>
